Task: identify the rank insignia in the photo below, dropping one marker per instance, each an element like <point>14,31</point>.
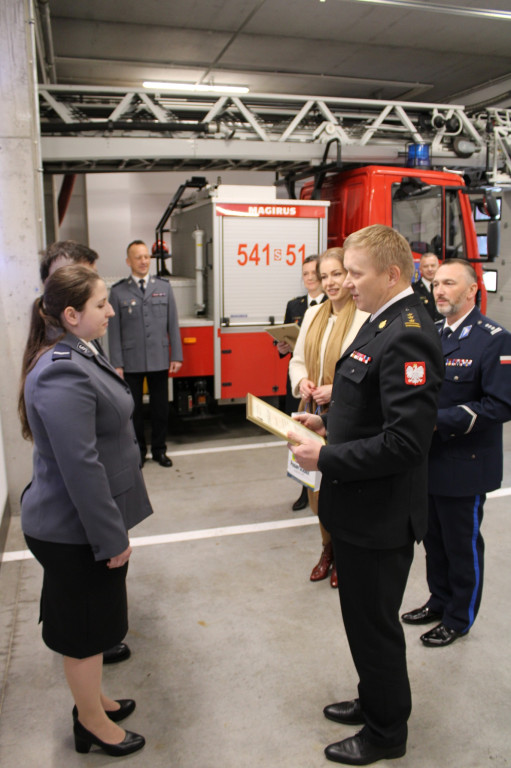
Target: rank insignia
<point>466,330</point>
<point>415,373</point>
<point>505,359</point>
<point>411,321</point>
<point>382,324</point>
<point>360,357</point>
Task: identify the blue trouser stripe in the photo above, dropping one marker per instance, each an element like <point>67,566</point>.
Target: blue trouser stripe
<point>477,573</point>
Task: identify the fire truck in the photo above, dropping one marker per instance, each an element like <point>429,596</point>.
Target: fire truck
<point>434,210</point>
<point>237,254</point>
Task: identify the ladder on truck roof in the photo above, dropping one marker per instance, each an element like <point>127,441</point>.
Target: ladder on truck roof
<point>88,129</point>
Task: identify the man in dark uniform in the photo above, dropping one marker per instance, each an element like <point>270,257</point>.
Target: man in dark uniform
<point>466,457</point>
<point>139,335</point>
<point>423,287</point>
<point>373,496</point>
<point>295,311</point>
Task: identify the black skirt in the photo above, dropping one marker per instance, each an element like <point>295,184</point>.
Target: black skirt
<point>84,607</point>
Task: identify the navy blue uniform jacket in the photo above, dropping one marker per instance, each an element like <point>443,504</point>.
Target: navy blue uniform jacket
<point>475,400</point>
<point>87,485</point>
<point>379,427</point>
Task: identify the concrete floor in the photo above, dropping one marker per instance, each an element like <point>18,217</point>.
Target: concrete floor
<point>235,651</point>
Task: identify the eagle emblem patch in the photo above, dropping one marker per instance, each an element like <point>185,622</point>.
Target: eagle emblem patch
<point>415,373</point>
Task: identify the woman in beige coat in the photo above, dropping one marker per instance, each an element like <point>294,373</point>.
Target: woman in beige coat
<point>327,330</point>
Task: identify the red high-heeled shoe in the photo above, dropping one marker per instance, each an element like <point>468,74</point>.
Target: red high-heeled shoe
<point>320,570</point>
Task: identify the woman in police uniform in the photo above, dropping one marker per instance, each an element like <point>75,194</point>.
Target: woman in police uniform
<point>86,492</point>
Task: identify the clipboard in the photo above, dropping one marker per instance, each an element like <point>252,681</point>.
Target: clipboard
<point>287,332</point>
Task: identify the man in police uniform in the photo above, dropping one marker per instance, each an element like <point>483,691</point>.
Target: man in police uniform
<point>466,458</point>
<point>373,496</point>
<point>423,287</point>
<point>139,335</point>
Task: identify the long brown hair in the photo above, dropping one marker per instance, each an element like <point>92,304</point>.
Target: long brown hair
<point>70,286</point>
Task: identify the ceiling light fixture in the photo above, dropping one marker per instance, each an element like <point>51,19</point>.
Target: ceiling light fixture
<point>460,10</point>
<point>194,87</point>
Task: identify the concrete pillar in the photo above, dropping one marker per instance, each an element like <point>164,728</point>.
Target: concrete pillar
<point>21,227</point>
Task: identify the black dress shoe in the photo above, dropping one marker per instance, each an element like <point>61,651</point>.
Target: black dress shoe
<point>84,739</point>
<point>440,636</point>
<point>119,652</point>
<point>422,615</point>
<point>356,750</point>
<point>162,459</point>
<point>347,712</point>
<point>302,500</point>
<point>127,706</point>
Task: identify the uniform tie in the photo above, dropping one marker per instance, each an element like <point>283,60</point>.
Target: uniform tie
<point>446,332</point>
<point>141,283</point>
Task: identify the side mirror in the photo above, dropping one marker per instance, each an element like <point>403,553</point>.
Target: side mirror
<point>493,239</point>
<point>491,205</point>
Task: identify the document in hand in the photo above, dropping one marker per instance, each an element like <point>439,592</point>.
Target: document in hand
<point>287,332</point>
<point>273,420</point>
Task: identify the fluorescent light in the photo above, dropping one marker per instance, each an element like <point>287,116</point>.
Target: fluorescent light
<point>201,87</point>
<point>426,5</point>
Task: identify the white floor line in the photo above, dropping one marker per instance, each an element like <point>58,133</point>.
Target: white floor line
<point>222,448</point>
<point>211,533</point>
<point>205,533</point>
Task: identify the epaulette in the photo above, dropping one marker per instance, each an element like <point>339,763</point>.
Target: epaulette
<point>61,352</point>
<point>119,282</point>
<point>410,318</point>
<point>160,277</point>
<point>490,328</point>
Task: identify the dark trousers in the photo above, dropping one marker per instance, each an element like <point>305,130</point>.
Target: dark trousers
<point>455,558</point>
<point>157,382</point>
<point>371,587</point>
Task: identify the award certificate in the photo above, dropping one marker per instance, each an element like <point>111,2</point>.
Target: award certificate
<point>273,420</point>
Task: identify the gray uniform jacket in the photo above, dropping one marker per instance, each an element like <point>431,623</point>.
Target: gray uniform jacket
<point>87,485</point>
<point>143,327</point>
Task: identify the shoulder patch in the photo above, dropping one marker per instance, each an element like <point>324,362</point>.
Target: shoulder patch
<point>490,328</point>
<point>61,352</point>
<point>120,282</point>
<point>410,319</point>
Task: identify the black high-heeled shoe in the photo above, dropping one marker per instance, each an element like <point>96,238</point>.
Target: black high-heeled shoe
<point>127,706</point>
<point>84,740</point>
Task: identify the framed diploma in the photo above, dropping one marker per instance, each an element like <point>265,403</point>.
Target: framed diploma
<point>276,422</point>
<point>288,333</point>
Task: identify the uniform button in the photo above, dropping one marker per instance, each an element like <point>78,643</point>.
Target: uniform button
<point>335,482</point>
<point>452,435</point>
<point>456,378</point>
<point>352,370</point>
<point>332,402</point>
<point>473,456</point>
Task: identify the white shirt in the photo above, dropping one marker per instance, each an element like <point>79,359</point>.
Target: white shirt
<point>407,292</point>
<point>458,322</point>
<point>317,299</point>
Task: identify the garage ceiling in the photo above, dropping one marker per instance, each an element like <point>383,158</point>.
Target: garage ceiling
<point>451,51</point>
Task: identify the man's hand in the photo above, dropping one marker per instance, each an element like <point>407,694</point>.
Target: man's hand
<point>306,452</point>
<point>283,347</point>
<point>311,421</point>
<point>120,372</point>
<point>175,365</point>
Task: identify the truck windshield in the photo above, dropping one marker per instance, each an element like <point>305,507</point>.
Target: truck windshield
<point>417,215</point>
